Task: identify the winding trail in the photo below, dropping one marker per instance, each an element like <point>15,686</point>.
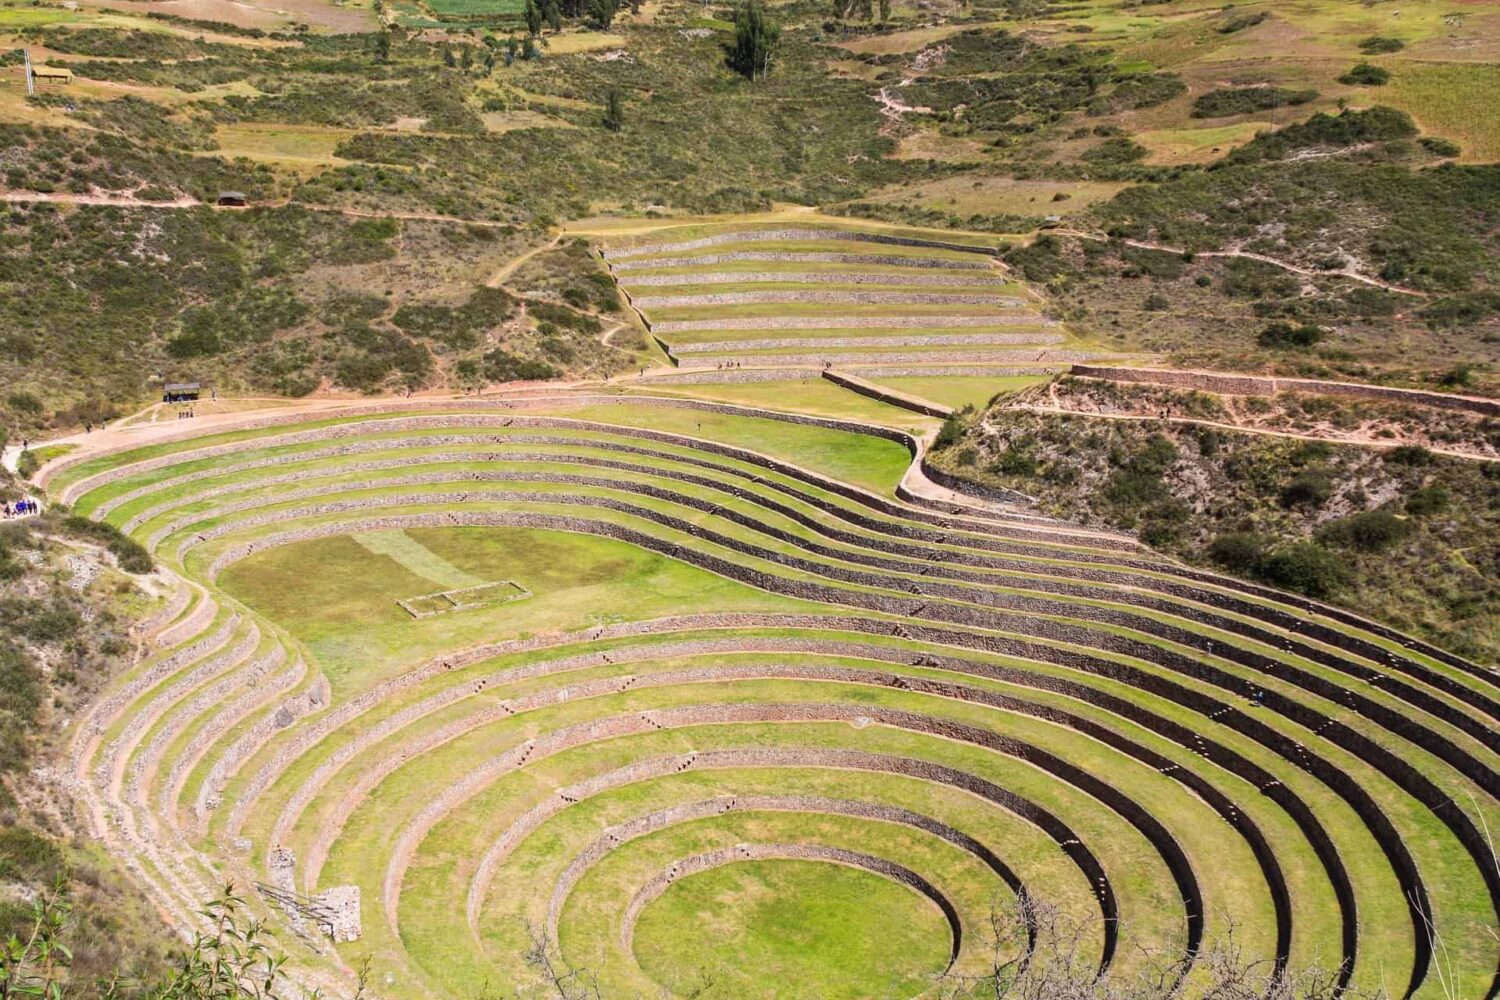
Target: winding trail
<point>511,266</point>
<point>1349,273</point>
<point>1358,442</point>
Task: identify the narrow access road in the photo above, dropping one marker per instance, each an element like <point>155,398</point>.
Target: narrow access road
<point>1248,255</point>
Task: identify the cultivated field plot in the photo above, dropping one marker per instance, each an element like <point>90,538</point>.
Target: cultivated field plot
<point>759,722</point>
<point>804,296</point>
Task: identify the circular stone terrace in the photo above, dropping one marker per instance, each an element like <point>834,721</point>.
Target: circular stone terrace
<point>705,714</point>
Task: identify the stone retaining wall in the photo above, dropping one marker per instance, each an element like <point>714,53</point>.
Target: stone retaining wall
<point>687,812</point>
<point>317,695</point>
<point>863,497</point>
<point>108,709</point>
<point>873,322</point>
<point>369,776</point>
<point>224,673</point>
<point>884,395</point>
<point>525,825</point>
<point>486,773</point>
<point>185,628</point>
<point>998,355</point>
<point>922,340</point>
<point>261,682</point>
<point>994,494</point>
<point>790,235</point>
<point>177,601</point>
<point>885,626</point>
<point>816,278</point>
<point>920,565</point>
<point>803,257</point>
<point>1272,615</point>
<point>817,297</point>
<point>1003,536</point>
<point>736,376</point>
<point>1253,385</point>
<point>1356,742</point>
<point>118,763</point>
<point>961,371</point>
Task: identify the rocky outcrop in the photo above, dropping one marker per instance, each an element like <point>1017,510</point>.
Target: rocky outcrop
<point>790,235</point>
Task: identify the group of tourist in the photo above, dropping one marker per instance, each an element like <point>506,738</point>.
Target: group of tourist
<point>20,508</point>
<point>730,364</point>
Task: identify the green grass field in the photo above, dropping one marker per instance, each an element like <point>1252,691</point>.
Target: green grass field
<point>794,929</point>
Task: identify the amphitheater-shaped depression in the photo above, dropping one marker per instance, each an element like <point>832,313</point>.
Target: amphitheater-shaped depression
<point>697,693</point>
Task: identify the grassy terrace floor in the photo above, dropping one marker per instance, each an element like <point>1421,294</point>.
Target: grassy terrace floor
<point>849,717</point>
<point>803,295</point>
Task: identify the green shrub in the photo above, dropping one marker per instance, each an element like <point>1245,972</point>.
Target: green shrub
<point>1131,488</point>
<point>500,366</point>
<point>562,316</point>
<point>1428,500</point>
<point>1463,309</point>
<point>1377,45</point>
<point>24,403</point>
<point>1239,22</point>
<point>1438,146</point>
<point>1015,462</point>
<point>1137,92</point>
<point>1239,551</point>
<point>133,558</point>
<point>1305,567</point>
<point>1310,488</point>
<point>1409,454</point>
<point>950,433</point>
<point>1348,128</point>
<point>1229,101</point>
<point>29,858</point>
<point>1114,152</point>
<point>1365,75</point>
<point>1288,335</point>
<point>1370,531</point>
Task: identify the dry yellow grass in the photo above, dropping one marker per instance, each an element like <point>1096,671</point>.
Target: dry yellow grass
<point>291,145</point>
<point>583,41</point>
<point>968,195</point>
<point>1168,147</point>
<point>1449,101</point>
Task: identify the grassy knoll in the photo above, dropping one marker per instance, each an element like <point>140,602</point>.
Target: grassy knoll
<point>792,924</point>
